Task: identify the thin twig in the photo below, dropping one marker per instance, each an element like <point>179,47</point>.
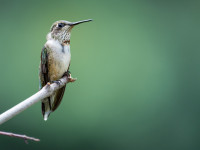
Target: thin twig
<point>45,92</point>
<point>20,136</point>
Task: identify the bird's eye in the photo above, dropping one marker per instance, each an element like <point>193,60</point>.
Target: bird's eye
<point>60,25</point>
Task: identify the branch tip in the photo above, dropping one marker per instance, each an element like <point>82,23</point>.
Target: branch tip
<point>26,138</point>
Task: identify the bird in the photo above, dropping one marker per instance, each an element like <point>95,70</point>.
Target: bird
<point>55,62</point>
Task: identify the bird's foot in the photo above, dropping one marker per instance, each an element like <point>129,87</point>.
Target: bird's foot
<point>56,81</point>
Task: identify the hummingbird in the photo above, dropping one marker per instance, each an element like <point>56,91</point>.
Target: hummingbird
<point>55,62</point>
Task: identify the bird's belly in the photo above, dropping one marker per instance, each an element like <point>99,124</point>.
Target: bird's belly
<point>59,63</point>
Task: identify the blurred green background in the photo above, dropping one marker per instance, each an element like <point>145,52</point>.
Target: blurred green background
<point>138,71</point>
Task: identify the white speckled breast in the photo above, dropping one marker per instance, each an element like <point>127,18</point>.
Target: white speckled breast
<point>59,58</point>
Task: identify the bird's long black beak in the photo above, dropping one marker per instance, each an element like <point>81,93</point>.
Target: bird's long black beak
<point>78,22</point>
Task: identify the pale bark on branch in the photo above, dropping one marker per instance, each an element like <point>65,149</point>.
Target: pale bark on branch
<point>45,92</point>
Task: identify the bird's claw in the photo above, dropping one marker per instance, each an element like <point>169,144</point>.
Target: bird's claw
<point>56,81</point>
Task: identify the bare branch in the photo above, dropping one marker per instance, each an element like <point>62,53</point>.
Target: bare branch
<point>19,136</point>
<point>45,92</point>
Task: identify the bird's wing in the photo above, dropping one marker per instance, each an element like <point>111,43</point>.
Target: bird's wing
<point>44,77</point>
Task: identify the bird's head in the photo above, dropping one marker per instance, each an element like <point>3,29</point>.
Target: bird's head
<point>61,30</point>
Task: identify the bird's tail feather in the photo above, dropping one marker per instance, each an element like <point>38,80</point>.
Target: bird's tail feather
<point>46,108</point>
